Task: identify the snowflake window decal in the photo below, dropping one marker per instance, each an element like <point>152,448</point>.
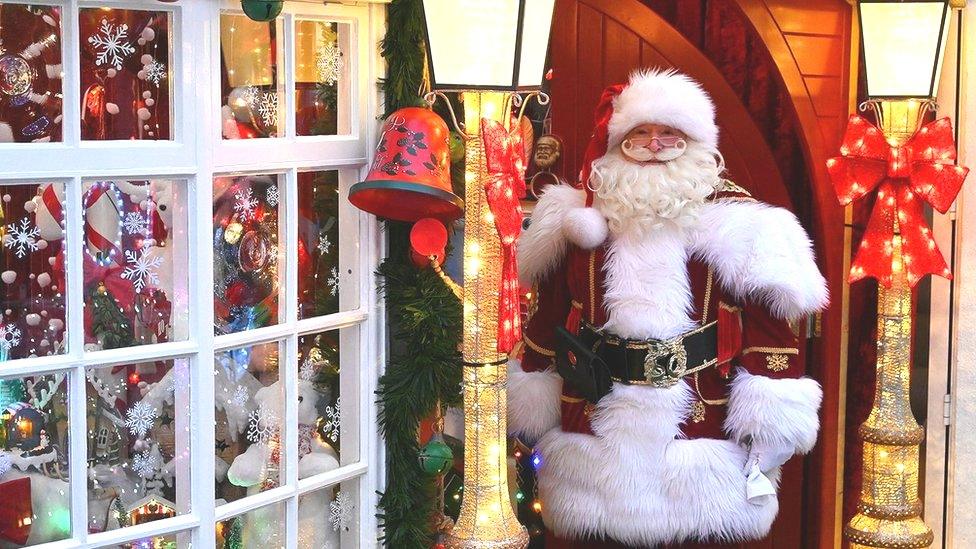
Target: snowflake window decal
<point>341,511</point>
<point>136,223</point>
<point>9,336</point>
<point>333,420</point>
<point>262,425</point>
<point>141,269</point>
<point>329,63</point>
<point>155,72</point>
<point>140,418</point>
<point>272,196</point>
<point>268,109</point>
<point>251,95</point>
<point>333,282</point>
<point>245,204</point>
<point>145,464</point>
<point>241,395</point>
<point>308,370</point>
<point>22,237</point>
<point>111,42</point>
<point>324,244</point>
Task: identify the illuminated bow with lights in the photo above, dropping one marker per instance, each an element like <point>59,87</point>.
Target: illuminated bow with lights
<point>921,170</point>
<point>505,162</point>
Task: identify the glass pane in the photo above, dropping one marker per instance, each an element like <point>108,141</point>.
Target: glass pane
<point>135,263</point>
<point>322,84</point>
<point>263,528</point>
<point>328,277</point>
<point>246,255</point>
<point>249,409</point>
<point>328,426</point>
<point>179,540</point>
<point>32,269</point>
<point>34,459</point>
<point>138,443</point>
<point>30,73</point>
<point>341,505</point>
<point>125,74</point>
<point>250,90</point>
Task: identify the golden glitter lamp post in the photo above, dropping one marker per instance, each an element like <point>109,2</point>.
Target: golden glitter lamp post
<point>908,165</point>
<point>489,53</point>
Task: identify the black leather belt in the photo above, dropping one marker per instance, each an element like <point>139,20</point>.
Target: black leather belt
<point>655,362</point>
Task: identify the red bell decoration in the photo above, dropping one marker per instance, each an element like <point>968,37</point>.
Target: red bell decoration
<point>410,179</point>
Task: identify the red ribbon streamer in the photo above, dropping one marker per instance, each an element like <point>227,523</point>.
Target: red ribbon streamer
<point>905,176</point>
<point>505,161</point>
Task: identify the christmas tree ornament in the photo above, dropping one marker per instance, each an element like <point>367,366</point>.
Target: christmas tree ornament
<point>262,10</point>
<point>436,456</point>
<point>428,240</point>
<point>410,177</point>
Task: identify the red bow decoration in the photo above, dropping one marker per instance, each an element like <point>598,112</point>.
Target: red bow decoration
<point>505,161</point>
<point>905,176</point>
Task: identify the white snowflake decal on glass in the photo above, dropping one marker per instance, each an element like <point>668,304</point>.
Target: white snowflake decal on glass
<point>9,336</point>
<point>241,395</point>
<point>324,244</point>
<point>141,269</point>
<point>155,72</point>
<point>272,195</point>
<point>145,464</point>
<point>5,463</point>
<point>308,370</point>
<point>268,108</point>
<point>329,63</point>
<point>135,223</point>
<point>112,44</point>
<point>251,95</point>
<point>341,511</point>
<point>333,420</point>
<point>22,237</point>
<point>333,282</point>
<point>262,425</point>
<point>245,204</point>
<point>140,418</point>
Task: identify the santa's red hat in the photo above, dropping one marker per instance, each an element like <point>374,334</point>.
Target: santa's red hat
<point>651,96</point>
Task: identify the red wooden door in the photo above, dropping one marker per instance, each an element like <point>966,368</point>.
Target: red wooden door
<point>597,43</point>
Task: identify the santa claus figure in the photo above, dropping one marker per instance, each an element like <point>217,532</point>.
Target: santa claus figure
<point>659,383</point>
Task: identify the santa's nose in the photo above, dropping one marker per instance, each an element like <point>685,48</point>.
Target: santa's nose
<point>654,146</point>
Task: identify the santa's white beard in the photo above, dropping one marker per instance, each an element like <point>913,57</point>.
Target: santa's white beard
<point>639,198</point>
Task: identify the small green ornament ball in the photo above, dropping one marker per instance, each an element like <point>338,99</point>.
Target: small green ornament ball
<point>456,146</point>
<point>436,457</point>
<point>262,10</point>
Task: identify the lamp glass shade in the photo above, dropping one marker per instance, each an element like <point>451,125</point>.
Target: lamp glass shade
<point>497,45</point>
<point>903,43</point>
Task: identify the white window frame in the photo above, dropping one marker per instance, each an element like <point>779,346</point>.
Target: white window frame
<point>196,153</point>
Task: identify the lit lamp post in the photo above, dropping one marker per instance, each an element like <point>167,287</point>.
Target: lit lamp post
<point>487,51</point>
<point>903,47</point>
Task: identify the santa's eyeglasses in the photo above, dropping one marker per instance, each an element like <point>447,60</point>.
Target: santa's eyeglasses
<point>655,143</point>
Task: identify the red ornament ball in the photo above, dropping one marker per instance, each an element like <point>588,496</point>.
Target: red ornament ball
<point>236,293</point>
<point>134,378</point>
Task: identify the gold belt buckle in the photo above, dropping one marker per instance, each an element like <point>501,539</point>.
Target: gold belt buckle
<point>668,374</point>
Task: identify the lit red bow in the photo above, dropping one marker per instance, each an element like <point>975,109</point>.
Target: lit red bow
<point>921,170</point>
<point>505,162</point>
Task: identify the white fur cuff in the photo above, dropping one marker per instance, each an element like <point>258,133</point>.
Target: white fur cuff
<point>585,227</point>
<point>533,401</point>
<point>781,412</point>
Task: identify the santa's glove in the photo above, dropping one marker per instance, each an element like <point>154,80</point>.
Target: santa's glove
<point>763,457</point>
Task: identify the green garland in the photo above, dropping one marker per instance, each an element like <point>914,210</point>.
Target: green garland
<point>423,368</point>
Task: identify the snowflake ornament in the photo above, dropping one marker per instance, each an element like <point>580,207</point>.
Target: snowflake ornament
<point>329,63</point>
<point>141,269</point>
<point>5,463</point>
<point>333,420</point>
<point>324,244</point>
<point>155,72</point>
<point>262,425</point>
<point>145,464</point>
<point>268,109</point>
<point>245,204</point>
<point>9,337</point>
<point>333,282</point>
<point>111,42</point>
<point>136,223</point>
<point>22,237</point>
<point>241,395</point>
<point>272,196</point>
<point>341,511</point>
<point>140,418</point>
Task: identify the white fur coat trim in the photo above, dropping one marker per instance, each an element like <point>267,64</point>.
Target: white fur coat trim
<point>635,482</point>
<point>543,245</point>
<point>780,412</point>
<point>761,252</point>
<point>533,401</point>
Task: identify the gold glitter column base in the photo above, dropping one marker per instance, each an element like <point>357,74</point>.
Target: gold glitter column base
<point>519,542</point>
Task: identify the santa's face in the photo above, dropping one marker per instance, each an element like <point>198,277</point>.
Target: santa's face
<point>653,144</point>
<point>639,196</point>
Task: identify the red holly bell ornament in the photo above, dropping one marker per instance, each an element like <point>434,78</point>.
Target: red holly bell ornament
<point>505,161</point>
<point>410,178</point>
<point>921,170</point>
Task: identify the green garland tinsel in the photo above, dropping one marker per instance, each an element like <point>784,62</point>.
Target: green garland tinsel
<point>425,324</point>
